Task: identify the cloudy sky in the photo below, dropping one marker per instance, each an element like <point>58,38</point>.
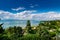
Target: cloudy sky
<point>30,9</point>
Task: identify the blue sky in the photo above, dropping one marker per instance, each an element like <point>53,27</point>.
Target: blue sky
<point>40,5</point>
<point>20,8</point>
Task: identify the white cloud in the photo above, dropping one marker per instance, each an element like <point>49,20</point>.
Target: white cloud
<point>47,16</point>
<point>6,15</point>
<point>32,6</point>
<point>29,14</point>
<point>17,9</point>
<point>25,14</point>
<point>21,16</point>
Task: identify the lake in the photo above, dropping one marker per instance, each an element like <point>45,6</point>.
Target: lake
<point>21,23</point>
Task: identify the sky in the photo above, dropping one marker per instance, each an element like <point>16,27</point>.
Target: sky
<point>30,9</point>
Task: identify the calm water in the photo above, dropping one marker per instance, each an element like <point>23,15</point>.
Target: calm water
<point>22,23</point>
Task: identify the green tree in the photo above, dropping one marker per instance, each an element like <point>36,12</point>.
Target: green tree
<point>1,28</point>
<point>28,26</point>
<point>42,31</point>
<point>19,31</point>
<point>15,29</point>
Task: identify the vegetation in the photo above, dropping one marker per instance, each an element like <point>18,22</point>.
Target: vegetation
<point>46,30</point>
<point>28,27</point>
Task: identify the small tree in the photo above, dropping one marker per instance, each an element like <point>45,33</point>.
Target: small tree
<point>19,31</point>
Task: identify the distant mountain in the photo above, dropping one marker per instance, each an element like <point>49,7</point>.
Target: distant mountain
<point>20,20</point>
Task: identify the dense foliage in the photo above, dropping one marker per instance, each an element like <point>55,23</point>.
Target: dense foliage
<point>46,30</point>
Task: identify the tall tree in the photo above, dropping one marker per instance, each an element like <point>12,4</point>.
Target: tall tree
<point>1,28</point>
<point>15,29</point>
<point>28,26</point>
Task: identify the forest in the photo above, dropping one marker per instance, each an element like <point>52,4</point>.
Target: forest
<point>46,30</point>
